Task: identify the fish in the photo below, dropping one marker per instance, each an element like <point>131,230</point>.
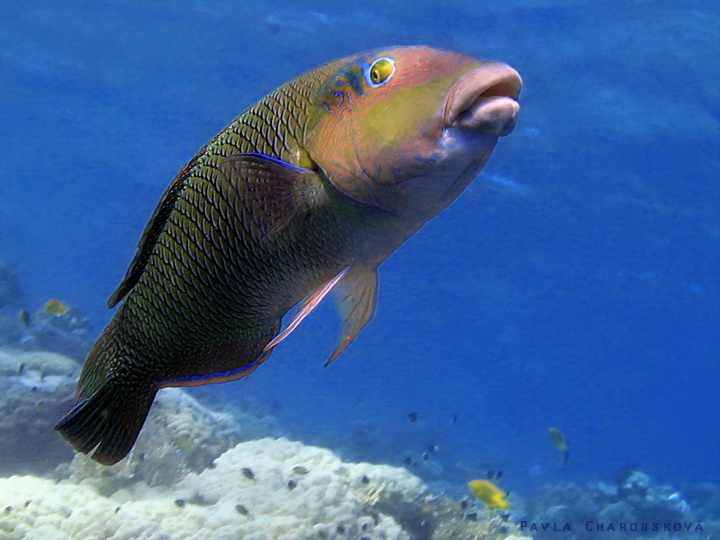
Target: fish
<point>558,440</point>
<point>490,494</point>
<point>54,307</point>
<point>242,509</point>
<point>305,193</point>
<point>25,317</point>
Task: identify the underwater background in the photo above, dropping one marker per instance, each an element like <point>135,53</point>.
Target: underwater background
<point>575,284</point>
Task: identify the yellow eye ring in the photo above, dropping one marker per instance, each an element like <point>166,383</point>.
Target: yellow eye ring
<point>380,71</point>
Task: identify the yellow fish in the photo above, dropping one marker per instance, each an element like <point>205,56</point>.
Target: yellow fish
<point>490,494</point>
<point>55,307</point>
<point>558,439</point>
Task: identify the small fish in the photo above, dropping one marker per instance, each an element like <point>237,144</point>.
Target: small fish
<point>490,494</point>
<point>25,318</point>
<point>292,484</point>
<point>305,193</point>
<point>454,419</point>
<point>409,461</point>
<point>55,307</point>
<point>425,456</point>
<point>299,469</point>
<point>241,509</point>
<point>413,416</point>
<point>248,473</point>
<point>180,503</point>
<point>558,440</point>
<point>433,448</point>
<point>364,479</point>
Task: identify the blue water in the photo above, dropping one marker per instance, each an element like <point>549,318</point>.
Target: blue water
<point>574,285</point>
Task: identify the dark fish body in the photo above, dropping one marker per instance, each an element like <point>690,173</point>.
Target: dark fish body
<point>254,224</point>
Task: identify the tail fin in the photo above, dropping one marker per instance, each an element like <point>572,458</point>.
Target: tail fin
<point>109,420</point>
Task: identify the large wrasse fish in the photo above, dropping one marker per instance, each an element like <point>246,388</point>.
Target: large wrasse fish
<point>306,192</point>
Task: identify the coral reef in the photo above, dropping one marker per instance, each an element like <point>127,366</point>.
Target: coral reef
<point>68,332</point>
<point>54,327</point>
<point>258,490</point>
<point>180,436</point>
<point>634,507</point>
<point>36,388</point>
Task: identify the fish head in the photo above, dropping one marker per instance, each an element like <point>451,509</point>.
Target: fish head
<point>408,128</point>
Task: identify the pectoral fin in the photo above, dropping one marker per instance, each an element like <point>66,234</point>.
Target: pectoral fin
<point>357,297</point>
<point>310,303</point>
<point>356,291</point>
<point>272,191</point>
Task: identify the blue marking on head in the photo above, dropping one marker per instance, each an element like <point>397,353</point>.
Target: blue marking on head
<point>352,75</point>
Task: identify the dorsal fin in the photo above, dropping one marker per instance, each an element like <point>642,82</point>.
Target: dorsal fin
<point>149,235</point>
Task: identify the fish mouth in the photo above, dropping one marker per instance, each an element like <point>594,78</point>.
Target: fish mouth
<point>485,100</point>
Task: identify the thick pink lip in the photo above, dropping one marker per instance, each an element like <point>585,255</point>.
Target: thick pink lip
<point>485,99</point>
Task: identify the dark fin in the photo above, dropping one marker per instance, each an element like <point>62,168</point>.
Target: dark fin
<point>357,298</point>
<point>150,234</point>
<point>273,191</point>
<point>108,421</point>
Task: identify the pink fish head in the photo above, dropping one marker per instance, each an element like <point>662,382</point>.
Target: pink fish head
<point>406,129</point>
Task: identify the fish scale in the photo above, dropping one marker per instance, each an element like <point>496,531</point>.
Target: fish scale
<point>293,200</point>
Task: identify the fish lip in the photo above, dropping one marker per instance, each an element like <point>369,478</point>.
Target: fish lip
<point>485,100</point>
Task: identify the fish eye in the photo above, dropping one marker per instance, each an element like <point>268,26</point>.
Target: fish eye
<point>380,71</point>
